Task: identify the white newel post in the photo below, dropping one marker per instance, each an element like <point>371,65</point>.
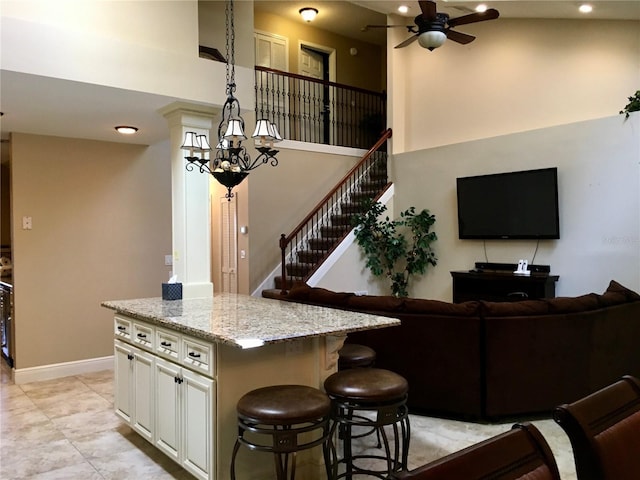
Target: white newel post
<point>191,215</point>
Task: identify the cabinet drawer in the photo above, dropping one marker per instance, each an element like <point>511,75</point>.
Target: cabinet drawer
<point>143,335</point>
<point>168,344</point>
<point>198,356</point>
<point>122,328</point>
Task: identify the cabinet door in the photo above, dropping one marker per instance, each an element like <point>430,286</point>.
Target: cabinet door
<point>167,408</point>
<point>142,417</point>
<point>123,374</point>
<point>197,395</point>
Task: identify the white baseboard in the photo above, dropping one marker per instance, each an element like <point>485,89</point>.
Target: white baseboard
<point>58,370</point>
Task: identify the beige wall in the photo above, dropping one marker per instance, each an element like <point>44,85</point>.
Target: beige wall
<point>281,197</point>
<point>272,201</point>
<point>364,70</point>
<point>526,94</point>
<point>518,75</point>
<point>101,227</point>
<point>5,202</point>
<point>598,165</point>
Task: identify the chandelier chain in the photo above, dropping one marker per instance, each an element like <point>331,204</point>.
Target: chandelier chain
<point>230,39</point>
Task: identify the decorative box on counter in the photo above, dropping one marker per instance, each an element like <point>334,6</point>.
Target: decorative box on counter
<point>172,291</point>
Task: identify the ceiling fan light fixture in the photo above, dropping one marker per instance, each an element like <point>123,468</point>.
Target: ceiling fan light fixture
<point>481,8</point>
<point>431,39</point>
<point>308,14</point>
<point>403,9</point>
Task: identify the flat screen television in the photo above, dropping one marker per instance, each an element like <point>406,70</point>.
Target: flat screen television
<point>514,205</point>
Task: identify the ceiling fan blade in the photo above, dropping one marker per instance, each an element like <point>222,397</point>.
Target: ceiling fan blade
<point>490,14</point>
<point>428,8</point>
<point>459,37</point>
<point>367,27</point>
<point>408,41</point>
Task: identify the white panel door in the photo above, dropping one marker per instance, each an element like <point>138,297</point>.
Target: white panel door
<point>142,420</point>
<point>197,395</point>
<point>312,96</point>
<point>167,408</point>
<point>272,51</point>
<point>229,245</point>
<point>123,373</point>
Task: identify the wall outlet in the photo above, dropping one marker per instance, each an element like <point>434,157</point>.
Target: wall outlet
<point>168,260</point>
<point>27,223</point>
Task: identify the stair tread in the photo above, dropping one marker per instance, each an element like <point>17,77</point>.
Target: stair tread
<point>373,181</point>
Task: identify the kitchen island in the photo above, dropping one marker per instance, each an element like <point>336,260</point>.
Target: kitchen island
<point>182,365</point>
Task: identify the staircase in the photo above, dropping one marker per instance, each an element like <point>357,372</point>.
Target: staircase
<point>304,250</point>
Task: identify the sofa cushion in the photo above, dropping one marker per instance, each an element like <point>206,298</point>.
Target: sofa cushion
<point>436,307</point>
<point>512,309</point>
<point>582,303</point>
<point>380,303</point>
<point>299,292</point>
<point>304,293</point>
<point>617,294</point>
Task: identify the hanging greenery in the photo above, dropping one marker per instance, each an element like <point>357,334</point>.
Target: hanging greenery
<point>632,106</point>
<point>396,249</point>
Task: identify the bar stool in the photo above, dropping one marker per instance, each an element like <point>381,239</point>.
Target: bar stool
<point>371,398</point>
<point>274,418</point>
<point>353,355</point>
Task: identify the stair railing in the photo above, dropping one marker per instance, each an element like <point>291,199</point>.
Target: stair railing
<point>318,234</point>
<point>319,111</point>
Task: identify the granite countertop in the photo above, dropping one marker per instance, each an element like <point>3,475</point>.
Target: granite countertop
<point>244,321</point>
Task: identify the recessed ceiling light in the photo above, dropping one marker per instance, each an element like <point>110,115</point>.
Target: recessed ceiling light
<point>481,8</point>
<point>126,130</point>
<point>403,9</point>
<point>585,8</point>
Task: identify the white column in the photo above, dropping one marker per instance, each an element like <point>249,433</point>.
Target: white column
<point>191,219</point>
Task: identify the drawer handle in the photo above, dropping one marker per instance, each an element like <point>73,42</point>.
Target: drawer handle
<point>194,355</point>
<point>129,356</point>
<point>165,344</point>
<point>142,335</point>
<point>121,328</point>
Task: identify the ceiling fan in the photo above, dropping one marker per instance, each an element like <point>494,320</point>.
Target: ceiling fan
<point>433,28</point>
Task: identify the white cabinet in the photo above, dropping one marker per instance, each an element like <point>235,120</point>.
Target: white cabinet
<point>167,408</point>
<point>197,413</point>
<point>134,393</point>
<point>184,417</point>
<point>164,389</point>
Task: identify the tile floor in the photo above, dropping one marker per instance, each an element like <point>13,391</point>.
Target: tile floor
<point>66,429</point>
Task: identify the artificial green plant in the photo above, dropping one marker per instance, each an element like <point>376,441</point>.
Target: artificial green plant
<point>632,106</point>
<point>396,249</point>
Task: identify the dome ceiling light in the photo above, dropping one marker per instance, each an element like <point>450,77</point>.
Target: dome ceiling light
<point>308,14</point>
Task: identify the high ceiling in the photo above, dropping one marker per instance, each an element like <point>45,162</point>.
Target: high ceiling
<point>348,18</point>
<point>62,108</point>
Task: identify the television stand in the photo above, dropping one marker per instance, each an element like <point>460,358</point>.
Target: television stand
<point>496,282</point>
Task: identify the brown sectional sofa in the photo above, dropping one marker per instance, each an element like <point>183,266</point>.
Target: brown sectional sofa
<point>486,360</point>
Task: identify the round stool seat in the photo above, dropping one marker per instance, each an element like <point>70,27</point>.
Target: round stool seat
<point>353,355</point>
<point>283,420</point>
<point>284,404</point>
<point>368,401</point>
<point>367,385</point>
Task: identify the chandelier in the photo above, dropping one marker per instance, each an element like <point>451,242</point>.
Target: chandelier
<point>231,163</point>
